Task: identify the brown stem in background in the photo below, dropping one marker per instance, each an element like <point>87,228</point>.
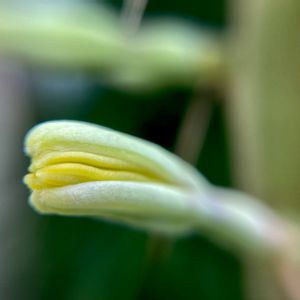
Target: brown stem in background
<point>193,130</point>
<point>132,14</point>
<point>189,143</point>
<point>290,274</point>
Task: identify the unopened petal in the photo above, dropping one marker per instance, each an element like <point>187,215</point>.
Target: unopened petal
<point>131,202</point>
<point>72,136</point>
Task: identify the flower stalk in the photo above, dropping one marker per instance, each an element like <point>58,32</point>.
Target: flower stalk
<point>81,169</point>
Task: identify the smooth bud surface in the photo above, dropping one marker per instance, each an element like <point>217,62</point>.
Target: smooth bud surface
<point>83,169</point>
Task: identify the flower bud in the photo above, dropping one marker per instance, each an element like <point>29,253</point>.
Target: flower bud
<point>83,169</point>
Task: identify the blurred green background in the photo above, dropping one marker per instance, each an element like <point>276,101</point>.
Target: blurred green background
<point>50,257</point>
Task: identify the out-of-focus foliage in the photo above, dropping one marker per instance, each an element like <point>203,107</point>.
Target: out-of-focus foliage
<point>93,38</point>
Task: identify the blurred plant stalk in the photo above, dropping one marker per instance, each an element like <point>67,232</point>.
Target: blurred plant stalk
<point>264,108</point>
<point>93,38</point>
<point>132,14</point>
<point>266,102</point>
<point>16,236</point>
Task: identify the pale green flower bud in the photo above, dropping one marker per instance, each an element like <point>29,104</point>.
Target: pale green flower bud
<point>83,169</point>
